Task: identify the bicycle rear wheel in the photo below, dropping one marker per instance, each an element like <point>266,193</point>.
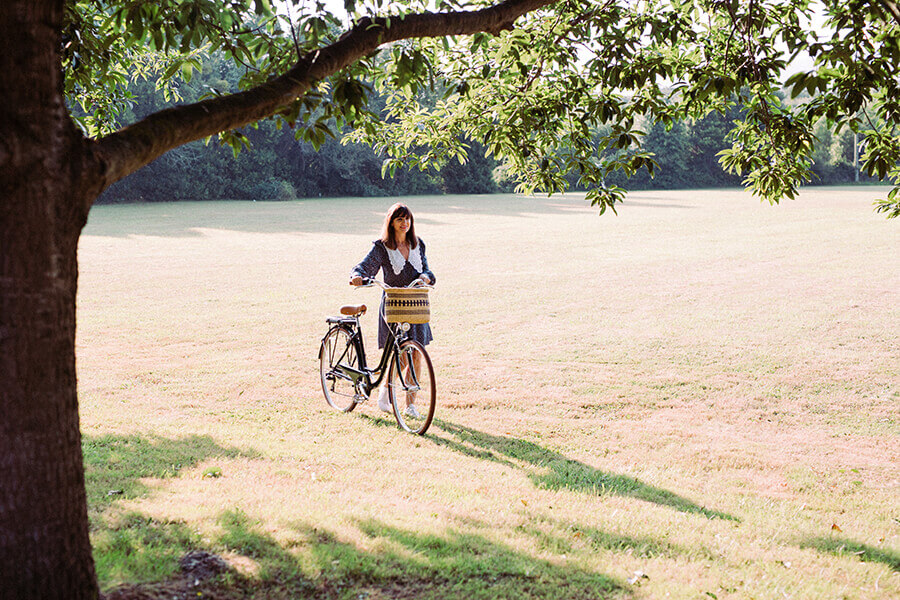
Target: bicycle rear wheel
<point>338,388</point>
<point>411,388</point>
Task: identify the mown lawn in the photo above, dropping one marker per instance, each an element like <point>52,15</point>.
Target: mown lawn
<point>697,398</point>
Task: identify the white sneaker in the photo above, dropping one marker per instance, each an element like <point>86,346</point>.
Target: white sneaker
<point>412,412</point>
<point>384,402</point>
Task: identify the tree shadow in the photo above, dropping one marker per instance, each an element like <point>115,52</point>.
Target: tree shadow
<point>140,548</point>
<point>864,552</point>
<point>355,216</point>
<point>127,544</point>
<point>558,472</point>
<point>629,204</point>
<point>114,465</point>
<point>407,564</point>
<point>598,540</point>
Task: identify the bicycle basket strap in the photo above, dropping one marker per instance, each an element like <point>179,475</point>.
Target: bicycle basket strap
<point>407,305</point>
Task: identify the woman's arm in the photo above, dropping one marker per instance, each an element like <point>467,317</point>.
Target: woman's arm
<point>425,270</point>
<point>369,265</point>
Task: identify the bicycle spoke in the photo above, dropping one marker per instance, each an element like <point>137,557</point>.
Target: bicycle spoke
<point>411,385</point>
<point>337,350</point>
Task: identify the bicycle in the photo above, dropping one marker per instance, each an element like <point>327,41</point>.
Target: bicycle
<point>347,381</point>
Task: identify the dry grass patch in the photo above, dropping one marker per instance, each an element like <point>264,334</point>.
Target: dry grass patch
<point>703,389</point>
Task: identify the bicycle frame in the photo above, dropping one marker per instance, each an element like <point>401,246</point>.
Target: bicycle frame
<point>362,377</point>
<point>389,354</point>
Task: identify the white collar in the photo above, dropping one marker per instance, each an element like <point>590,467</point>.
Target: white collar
<point>398,262</point>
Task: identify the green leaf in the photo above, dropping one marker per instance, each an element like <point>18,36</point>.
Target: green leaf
<point>263,7</point>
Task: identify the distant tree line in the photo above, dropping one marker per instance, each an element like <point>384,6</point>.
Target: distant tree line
<point>279,167</point>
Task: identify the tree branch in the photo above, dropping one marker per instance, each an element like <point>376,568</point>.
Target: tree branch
<point>892,8</point>
<point>127,150</point>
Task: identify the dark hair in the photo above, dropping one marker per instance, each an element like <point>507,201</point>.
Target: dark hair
<point>387,231</point>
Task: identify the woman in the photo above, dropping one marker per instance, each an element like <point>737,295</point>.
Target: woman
<point>400,255</point>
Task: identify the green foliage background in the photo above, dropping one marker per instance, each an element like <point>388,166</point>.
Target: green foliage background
<point>280,167</point>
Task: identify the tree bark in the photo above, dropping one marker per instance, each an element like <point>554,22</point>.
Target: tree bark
<point>45,549</point>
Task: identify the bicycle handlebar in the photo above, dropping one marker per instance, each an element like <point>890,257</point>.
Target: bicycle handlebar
<point>371,281</point>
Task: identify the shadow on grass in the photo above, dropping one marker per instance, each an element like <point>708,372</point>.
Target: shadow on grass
<point>599,540</point>
<point>406,564</point>
<point>115,464</point>
<point>561,472</point>
<point>127,545</point>
<point>356,216</point>
<point>864,552</point>
<point>137,548</point>
<point>380,420</point>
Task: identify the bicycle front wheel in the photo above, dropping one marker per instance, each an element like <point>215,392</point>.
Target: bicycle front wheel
<point>411,388</point>
<point>337,350</point>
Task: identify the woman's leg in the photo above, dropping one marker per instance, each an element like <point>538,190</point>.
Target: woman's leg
<point>408,377</point>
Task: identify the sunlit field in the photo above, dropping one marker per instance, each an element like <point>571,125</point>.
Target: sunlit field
<point>697,398</point>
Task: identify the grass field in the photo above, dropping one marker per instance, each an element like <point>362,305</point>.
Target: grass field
<point>698,398</point>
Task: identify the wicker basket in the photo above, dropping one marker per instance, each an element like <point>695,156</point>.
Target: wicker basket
<point>407,305</point>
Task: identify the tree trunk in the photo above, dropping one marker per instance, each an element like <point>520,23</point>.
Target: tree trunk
<point>45,549</point>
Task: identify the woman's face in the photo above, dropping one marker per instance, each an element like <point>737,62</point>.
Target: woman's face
<point>401,226</point>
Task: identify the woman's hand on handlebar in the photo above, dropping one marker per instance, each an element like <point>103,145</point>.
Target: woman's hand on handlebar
<point>358,281</point>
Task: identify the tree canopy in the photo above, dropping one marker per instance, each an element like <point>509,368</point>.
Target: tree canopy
<point>536,94</point>
<point>281,167</point>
